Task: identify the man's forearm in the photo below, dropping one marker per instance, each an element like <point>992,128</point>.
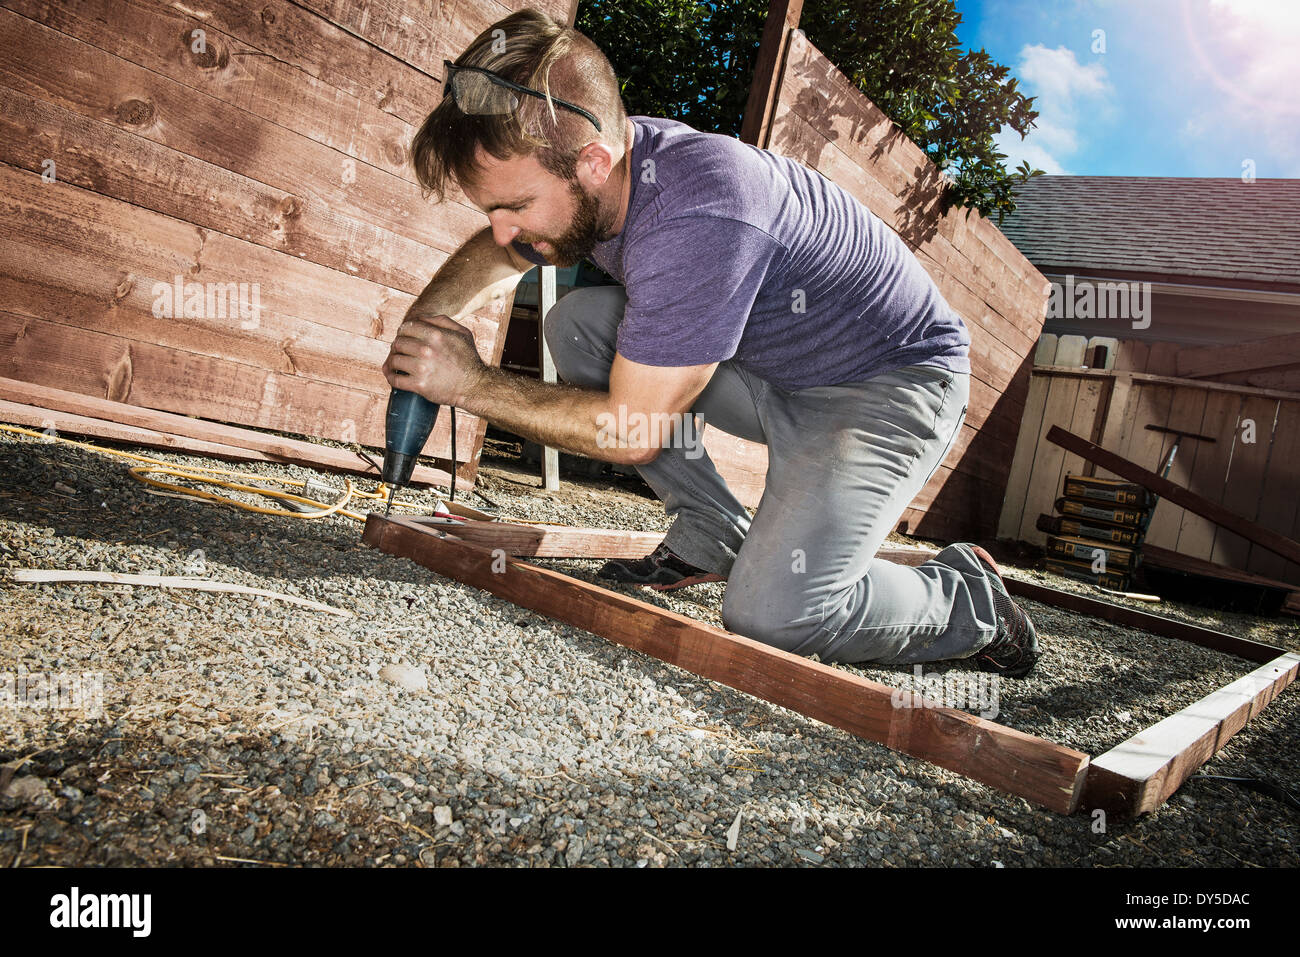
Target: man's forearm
<point>472,277</point>
<point>559,415</point>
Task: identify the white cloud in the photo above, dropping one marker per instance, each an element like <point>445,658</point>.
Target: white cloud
<point>1248,50</point>
<point>1067,95</point>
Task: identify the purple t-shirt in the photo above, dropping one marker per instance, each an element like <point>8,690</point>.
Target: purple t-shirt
<point>732,252</point>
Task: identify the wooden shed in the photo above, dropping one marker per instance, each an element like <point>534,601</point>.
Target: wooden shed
<point>1212,350</point>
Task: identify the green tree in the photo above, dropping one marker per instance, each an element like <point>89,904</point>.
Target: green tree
<point>693,61</point>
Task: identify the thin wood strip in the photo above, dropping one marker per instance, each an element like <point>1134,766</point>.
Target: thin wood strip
<point>42,575</point>
<point>1215,512</point>
<point>1143,772</point>
<point>1140,377</point>
<point>88,415</point>
<point>1021,764</point>
<point>1143,621</point>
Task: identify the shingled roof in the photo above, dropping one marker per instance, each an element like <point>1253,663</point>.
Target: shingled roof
<point>1212,231</point>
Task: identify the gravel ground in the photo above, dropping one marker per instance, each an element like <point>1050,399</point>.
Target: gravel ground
<point>242,729</point>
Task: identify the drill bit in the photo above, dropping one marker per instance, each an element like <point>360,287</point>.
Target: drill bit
<point>391,490</point>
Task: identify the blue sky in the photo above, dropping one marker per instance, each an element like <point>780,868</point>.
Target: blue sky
<point>1167,88</point>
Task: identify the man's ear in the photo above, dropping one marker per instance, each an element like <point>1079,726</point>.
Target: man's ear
<point>595,164</point>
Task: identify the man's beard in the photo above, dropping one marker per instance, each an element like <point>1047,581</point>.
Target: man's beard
<point>585,230</point>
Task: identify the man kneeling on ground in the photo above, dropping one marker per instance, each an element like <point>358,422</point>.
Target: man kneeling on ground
<point>756,296</point>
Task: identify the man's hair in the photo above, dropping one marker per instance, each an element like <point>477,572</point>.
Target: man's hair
<point>533,50</point>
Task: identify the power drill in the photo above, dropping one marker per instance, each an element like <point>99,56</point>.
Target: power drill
<point>407,426</point>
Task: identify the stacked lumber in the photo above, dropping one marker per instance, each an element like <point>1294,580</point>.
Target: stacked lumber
<point>1097,534</point>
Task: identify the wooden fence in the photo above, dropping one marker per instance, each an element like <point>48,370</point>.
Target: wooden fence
<point>160,161</point>
<point>817,116</point>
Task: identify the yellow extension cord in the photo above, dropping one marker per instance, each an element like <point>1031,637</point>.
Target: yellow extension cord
<point>192,473</point>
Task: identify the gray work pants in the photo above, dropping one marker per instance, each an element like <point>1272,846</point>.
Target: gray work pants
<point>844,461</point>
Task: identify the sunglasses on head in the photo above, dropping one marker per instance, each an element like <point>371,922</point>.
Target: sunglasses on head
<point>480,92</point>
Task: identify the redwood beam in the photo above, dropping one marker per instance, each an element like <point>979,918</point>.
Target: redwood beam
<point>1030,767</point>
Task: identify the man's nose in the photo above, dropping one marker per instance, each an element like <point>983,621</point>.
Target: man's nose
<point>503,232</point>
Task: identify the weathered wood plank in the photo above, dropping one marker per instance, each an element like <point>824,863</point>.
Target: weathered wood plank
<point>48,65</point>
<point>1241,357</point>
<point>113,254</point>
<point>1142,773</point>
<point>112,162</point>
<point>165,40</point>
<point>1186,412</point>
<point>1012,516</point>
<point>1209,473</point>
<point>1279,492</point>
<point>89,415</point>
<point>1021,764</point>
<point>765,87</point>
<point>1251,444</point>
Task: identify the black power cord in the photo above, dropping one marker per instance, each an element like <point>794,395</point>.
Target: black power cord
<point>1254,784</point>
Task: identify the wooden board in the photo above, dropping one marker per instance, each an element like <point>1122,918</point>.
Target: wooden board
<point>1142,773</point>
<point>164,39</point>
<point>1278,495</point>
<point>1222,359</point>
<point>94,416</point>
<point>44,64</point>
<point>1186,413</point>
<point>1245,478</point>
<point>120,165</point>
<point>549,541</point>
<point>1143,621</point>
<point>782,18</point>
<point>1209,471</point>
<point>1049,461</point>
<point>1021,764</point>
<point>1023,460</point>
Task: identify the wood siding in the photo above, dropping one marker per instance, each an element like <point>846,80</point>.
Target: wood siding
<point>1252,468</point>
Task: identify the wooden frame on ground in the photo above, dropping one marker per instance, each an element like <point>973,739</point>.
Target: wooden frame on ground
<point>1130,779</point>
